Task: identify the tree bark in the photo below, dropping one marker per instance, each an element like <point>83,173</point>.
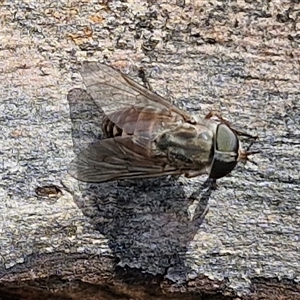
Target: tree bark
<point>149,239</point>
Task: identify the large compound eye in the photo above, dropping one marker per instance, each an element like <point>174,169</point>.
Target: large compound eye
<point>226,139</point>
<point>226,146</point>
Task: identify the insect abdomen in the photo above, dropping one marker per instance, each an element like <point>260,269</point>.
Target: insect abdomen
<point>110,129</point>
<point>142,122</point>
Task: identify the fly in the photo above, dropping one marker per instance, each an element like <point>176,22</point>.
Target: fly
<point>146,136</point>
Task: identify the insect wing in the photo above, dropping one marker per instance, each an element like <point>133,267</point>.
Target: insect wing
<point>115,93</point>
<point>139,113</point>
<point>117,158</point>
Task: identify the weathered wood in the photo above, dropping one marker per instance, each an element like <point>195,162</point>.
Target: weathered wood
<point>141,238</point>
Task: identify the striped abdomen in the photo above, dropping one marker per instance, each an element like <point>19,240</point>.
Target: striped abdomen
<point>144,122</point>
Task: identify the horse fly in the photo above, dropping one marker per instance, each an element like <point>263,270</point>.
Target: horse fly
<point>146,136</point>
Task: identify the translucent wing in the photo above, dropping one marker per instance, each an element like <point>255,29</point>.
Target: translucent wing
<point>118,158</point>
<point>119,96</point>
<point>140,114</point>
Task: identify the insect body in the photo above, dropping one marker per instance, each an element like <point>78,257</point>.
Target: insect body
<point>146,136</point>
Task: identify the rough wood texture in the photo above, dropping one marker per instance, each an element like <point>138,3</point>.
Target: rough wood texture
<point>141,239</point>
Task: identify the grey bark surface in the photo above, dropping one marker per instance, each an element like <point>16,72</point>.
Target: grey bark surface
<point>239,58</point>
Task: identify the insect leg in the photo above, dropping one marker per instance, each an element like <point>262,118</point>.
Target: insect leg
<point>213,113</point>
<point>199,200</point>
<point>142,75</point>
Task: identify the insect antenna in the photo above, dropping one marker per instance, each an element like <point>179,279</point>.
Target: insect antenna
<point>244,155</point>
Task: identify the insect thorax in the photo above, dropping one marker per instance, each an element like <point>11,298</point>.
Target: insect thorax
<point>192,144</point>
